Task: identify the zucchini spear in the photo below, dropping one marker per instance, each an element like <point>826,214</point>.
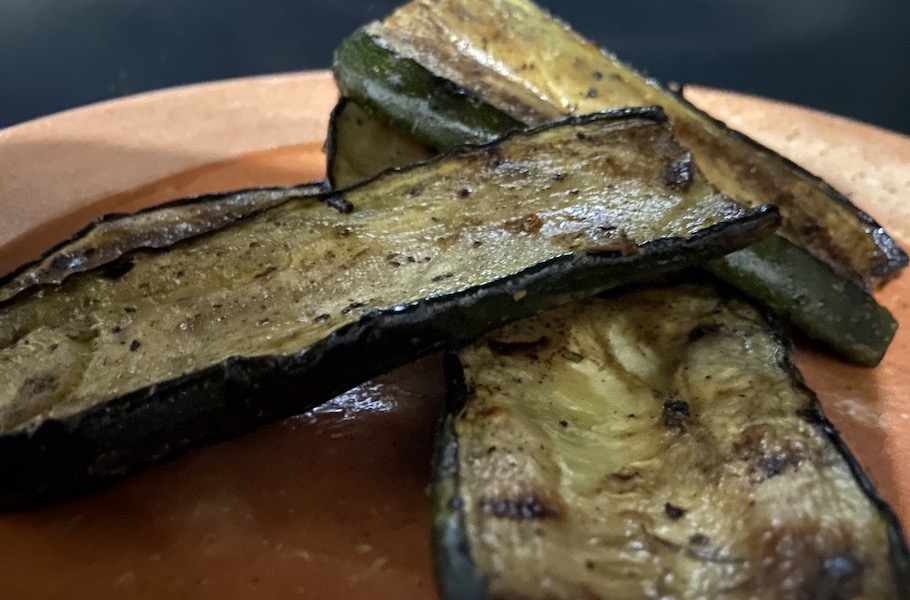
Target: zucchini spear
<point>515,57</point>
<point>129,363</point>
<point>388,72</point>
<point>595,451</point>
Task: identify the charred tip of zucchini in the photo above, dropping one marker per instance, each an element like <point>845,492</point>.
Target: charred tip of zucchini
<point>114,236</point>
<point>890,257</point>
<point>597,451</point>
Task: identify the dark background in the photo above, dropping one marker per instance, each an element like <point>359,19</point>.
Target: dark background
<point>850,57</point>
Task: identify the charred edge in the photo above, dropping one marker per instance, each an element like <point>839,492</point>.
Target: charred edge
<point>510,348</point>
<point>895,257</point>
<point>456,388</point>
<point>330,146</point>
<point>524,508</point>
<point>814,415</point>
<point>676,415</point>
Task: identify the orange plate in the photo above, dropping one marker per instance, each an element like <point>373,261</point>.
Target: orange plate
<point>333,504</point>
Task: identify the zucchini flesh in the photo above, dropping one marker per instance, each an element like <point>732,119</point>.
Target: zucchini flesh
<point>118,367</point>
<point>359,146</point>
<point>595,451</point>
<point>777,273</point>
<point>112,236</point>
<point>534,68</point>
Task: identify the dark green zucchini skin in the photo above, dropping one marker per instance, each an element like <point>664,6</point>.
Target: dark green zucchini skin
<point>112,236</point>
<point>448,115</point>
<point>852,325</point>
<point>56,455</point>
<point>811,296</point>
<point>458,574</point>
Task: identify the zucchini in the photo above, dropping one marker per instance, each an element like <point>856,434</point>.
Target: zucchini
<point>853,325</point>
<point>811,296</point>
<point>514,56</point>
<point>112,236</point>
<point>595,451</point>
<point>127,364</point>
<point>359,146</point>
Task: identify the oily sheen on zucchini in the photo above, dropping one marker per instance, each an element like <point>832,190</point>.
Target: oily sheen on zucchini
<point>118,367</point>
<point>515,57</point>
<point>598,451</point>
<point>372,66</point>
<point>112,236</point>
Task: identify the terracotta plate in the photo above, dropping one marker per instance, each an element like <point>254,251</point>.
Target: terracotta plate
<point>333,504</point>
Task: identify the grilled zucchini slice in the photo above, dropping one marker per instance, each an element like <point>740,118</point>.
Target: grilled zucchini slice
<point>517,58</point>
<point>657,443</point>
<point>368,67</point>
<point>124,365</point>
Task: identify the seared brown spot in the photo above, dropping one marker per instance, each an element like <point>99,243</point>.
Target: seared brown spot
<point>512,347</point>
<point>39,384</point>
<point>529,223</point>
<point>524,508</point>
<point>487,412</point>
<point>766,455</point>
<point>676,414</point>
<point>678,174</point>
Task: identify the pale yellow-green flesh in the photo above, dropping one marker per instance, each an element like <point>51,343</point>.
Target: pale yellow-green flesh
<point>161,227</point>
<point>517,58</point>
<point>289,276</point>
<point>574,428</point>
<point>363,146</point>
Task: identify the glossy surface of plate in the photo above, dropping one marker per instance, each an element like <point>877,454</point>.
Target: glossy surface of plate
<point>332,504</point>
